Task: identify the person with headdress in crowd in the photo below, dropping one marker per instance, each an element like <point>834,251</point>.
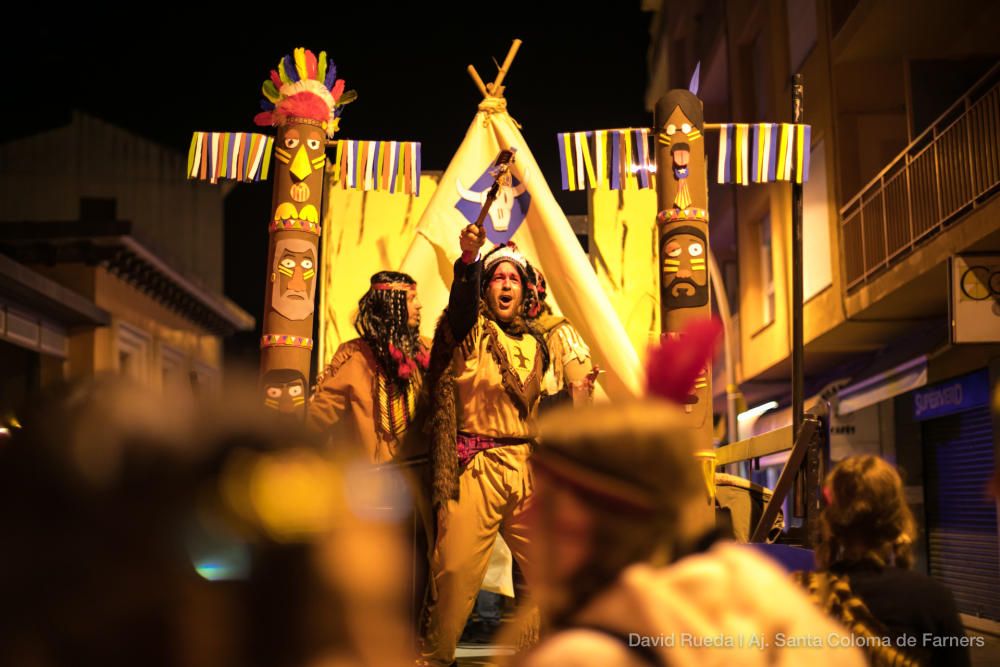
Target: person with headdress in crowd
<point>865,580</point>
<point>622,576</point>
<point>571,373</point>
<point>487,365</point>
<point>368,392</point>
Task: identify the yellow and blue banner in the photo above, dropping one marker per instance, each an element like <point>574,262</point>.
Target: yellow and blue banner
<point>617,159</point>
<point>383,166</point>
<point>763,153</point>
<point>621,159</point>
<point>237,156</point>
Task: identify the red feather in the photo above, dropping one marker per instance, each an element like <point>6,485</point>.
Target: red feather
<point>338,89</point>
<point>305,105</point>
<point>675,364</point>
<point>264,119</point>
<point>310,64</point>
<point>276,79</point>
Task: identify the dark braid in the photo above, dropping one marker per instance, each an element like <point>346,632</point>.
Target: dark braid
<point>382,320</point>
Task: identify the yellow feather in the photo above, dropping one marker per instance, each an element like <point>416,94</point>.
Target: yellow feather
<point>300,63</point>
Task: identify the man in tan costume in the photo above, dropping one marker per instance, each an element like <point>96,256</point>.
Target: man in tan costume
<point>366,397</point>
<point>487,365</point>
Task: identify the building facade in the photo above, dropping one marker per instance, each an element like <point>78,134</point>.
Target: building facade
<point>901,238</point>
<point>111,261</point>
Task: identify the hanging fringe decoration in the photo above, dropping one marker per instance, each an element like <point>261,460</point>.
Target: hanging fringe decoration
<point>386,166</point>
<point>763,153</point>
<point>621,159</point>
<point>237,156</point>
<point>615,159</point>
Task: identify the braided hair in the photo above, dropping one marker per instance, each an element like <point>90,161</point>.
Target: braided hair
<point>866,517</point>
<point>382,322</point>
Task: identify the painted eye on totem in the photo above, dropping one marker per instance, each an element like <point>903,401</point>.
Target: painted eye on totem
<point>295,390</point>
<point>673,249</point>
<point>288,263</point>
<point>686,128</point>
<point>671,128</point>
<point>274,392</point>
<point>291,142</point>
<point>695,249</point>
<point>306,264</point>
<point>312,144</point>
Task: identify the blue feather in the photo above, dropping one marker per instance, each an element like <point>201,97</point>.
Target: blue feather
<point>331,73</point>
<point>266,104</point>
<point>290,69</point>
<point>695,79</point>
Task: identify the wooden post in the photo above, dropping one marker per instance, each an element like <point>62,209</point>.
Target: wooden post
<point>478,81</point>
<point>498,82</point>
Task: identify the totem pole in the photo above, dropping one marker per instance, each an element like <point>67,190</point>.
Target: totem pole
<point>682,197</point>
<point>619,159</point>
<point>303,100</point>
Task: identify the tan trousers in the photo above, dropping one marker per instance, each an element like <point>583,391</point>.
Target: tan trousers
<point>494,492</point>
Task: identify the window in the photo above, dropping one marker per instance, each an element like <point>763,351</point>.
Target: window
<point>133,350</point>
<point>766,270</point>
<point>173,366</point>
<point>205,380</point>
<point>816,258</point>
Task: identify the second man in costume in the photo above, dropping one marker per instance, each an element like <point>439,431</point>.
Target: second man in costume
<point>366,397</point>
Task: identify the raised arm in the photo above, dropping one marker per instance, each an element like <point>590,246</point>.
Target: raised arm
<point>463,302</point>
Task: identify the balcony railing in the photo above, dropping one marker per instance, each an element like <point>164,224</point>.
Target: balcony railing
<point>947,171</point>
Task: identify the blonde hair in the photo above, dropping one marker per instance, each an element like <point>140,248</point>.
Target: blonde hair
<point>866,518</point>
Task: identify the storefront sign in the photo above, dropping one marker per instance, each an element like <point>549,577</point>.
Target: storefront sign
<point>956,395</point>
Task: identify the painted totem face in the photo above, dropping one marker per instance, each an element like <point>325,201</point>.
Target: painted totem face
<point>685,275</point>
<point>302,148</point>
<point>284,390</point>
<point>294,278</point>
<point>679,133</point>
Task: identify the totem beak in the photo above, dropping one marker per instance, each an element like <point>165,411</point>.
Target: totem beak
<point>300,165</point>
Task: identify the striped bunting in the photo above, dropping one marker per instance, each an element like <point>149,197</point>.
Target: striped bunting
<point>237,156</point>
<point>386,166</point>
<point>763,153</point>
<point>615,159</point>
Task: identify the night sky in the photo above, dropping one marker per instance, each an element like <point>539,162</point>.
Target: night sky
<point>165,75</point>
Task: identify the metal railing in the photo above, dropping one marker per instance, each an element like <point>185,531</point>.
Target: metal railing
<point>948,170</point>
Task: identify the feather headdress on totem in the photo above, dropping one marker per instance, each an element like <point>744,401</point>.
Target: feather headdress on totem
<point>304,86</point>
